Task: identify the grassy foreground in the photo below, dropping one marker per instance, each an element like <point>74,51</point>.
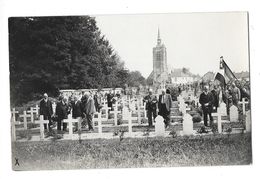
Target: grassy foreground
<point>147,152</point>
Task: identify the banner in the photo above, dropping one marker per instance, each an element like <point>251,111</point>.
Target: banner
<point>229,75</point>
<point>221,79</point>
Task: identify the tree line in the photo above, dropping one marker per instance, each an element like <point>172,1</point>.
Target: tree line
<point>47,54</point>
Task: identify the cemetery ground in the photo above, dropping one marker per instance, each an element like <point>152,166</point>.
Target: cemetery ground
<point>199,150</point>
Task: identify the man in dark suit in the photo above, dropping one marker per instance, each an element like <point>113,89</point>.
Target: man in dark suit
<point>110,97</point>
<point>88,109</point>
<point>215,93</point>
<point>164,106</point>
<point>46,110</point>
<point>206,100</point>
<point>62,111</point>
<point>77,110</point>
<point>151,106</point>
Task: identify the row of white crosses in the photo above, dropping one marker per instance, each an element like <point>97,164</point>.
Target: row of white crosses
<point>221,111</point>
<point>25,116</point>
<point>126,115</point>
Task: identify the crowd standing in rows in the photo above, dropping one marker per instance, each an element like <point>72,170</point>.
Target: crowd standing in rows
<point>84,106</point>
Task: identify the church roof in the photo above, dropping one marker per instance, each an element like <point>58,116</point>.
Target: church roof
<point>181,72</point>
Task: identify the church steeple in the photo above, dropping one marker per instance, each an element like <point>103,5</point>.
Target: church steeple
<point>158,37</point>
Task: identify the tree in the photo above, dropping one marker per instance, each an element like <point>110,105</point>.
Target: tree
<point>52,53</point>
<point>135,79</point>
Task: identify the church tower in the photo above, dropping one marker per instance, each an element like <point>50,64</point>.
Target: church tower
<point>160,72</point>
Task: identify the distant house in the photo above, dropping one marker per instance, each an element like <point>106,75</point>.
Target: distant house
<point>182,76</point>
<point>209,76</point>
<point>242,75</point>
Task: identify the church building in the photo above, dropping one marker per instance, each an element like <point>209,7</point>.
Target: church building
<point>160,70</point>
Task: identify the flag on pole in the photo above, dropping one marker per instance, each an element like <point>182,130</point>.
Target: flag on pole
<point>229,75</point>
<point>220,78</point>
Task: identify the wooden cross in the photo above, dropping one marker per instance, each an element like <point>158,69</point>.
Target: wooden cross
<point>70,122</point>
<point>13,112</point>
<point>13,123</point>
<point>31,114</point>
<point>42,122</point>
<point>127,116</point>
<point>115,112</point>
<point>24,116</point>
<point>99,120</point>
<point>106,108</point>
<point>244,102</point>
<point>144,110</point>
<point>218,114</point>
<point>36,110</point>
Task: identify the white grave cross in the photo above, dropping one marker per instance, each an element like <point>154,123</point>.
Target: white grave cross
<point>24,116</point>
<point>99,120</point>
<point>36,110</point>
<point>70,122</point>
<point>244,102</point>
<point>106,109</point>
<point>13,123</point>
<point>31,114</point>
<point>115,112</point>
<point>42,122</point>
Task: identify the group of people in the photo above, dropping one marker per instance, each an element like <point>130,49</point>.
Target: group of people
<point>210,99</point>
<point>164,104</point>
<point>82,109</point>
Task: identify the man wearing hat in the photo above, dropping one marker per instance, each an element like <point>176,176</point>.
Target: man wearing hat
<point>151,106</point>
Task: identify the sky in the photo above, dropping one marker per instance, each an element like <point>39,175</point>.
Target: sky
<point>193,40</point>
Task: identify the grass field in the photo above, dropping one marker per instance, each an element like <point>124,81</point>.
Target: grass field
<point>234,149</point>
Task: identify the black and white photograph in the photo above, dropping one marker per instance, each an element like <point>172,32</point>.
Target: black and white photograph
<point>130,91</point>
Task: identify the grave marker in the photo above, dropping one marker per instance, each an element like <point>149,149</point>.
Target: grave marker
<point>233,114</point>
<point>24,116</point>
<point>159,126</point>
<point>36,110</point>
<point>13,112</point>
<point>31,114</point>
<point>70,122</point>
<point>138,111</point>
<point>218,115</point>
<point>187,124</point>
<point>13,123</point>
<point>42,122</point>
<point>115,112</point>
<point>222,109</point>
<point>99,120</point>
<point>106,109</point>
<point>244,102</point>
<point>248,121</point>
